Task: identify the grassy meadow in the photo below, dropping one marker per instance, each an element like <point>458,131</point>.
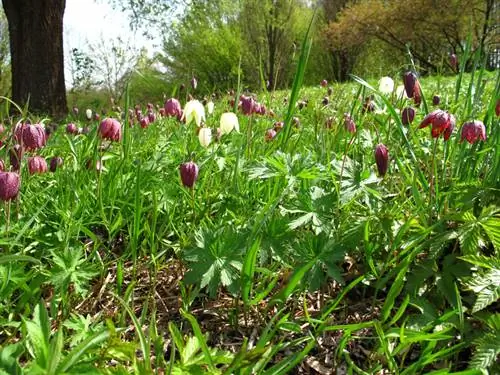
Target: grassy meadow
<point>303,246</point>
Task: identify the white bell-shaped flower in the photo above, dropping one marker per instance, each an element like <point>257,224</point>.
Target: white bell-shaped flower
<point>386,85</point>
<point>193,110</point>
<point>205,136</point>
<point>228,122</point>
<point>210,107</point>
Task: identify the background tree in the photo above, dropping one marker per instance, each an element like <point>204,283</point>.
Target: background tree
<point>114,61</point>
<point>432,29</point>
<point>205,43</point>
<point>4,56</point>
<point>82,68</point>
<point>36,49</point>
<point>271,36</point>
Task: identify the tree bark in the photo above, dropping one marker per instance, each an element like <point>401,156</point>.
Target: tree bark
<point>37,55</point>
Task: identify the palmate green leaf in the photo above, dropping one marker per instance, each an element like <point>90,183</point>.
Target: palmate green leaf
<point>482,261</point>
<point>492,228</point>
<point>486,297</point>
<point>217,259</point>
<point>487,351</point>
<point>486,285</point>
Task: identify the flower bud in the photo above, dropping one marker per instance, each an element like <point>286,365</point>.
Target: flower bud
<point>15,156</point>
<point>324,83</point>
<point>210,107</point>
<point>37,164</point>
<point>9,185</point>
<point>382,159</point>
<point>88,114</point>
<point>454,61</point>
<point>325,100</point>
<point>194,83</point>
<point>407,115</point>
<point>110,129</point>
<point>189,173</point>
<point>368,105</point>
<point>436,100</point>
<point>95,165</point>
<point>278,125</point>
<point>329,91</point>
<point>409,80</point>
<point>55,162</point>
<point>75,111</point>
<point>473,131</point>
<point>329,122</point>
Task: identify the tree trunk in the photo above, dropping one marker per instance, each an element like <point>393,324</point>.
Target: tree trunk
<point>36,47</point>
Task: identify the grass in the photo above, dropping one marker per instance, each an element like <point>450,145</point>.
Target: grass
<point>288,256</point>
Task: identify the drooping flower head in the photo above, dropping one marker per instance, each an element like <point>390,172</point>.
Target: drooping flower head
<point>37,164</point>
<point>454,61</point>
<point>32,136</point>
<point>173,108</point>
<point>412,87</point>
<point>247,104</point>
<point>9,185</point>
<point>497,108</point>
<point>386,85</point>
<point>193,110</point>
<point>110,129</point>
<point>442,123</point>
<point>210,107</point>
<point>324,83</point>
<point>189,173</point>
<point>436,100</point>
<point>473,131</point>
<point>194,83</point>
<point>270,135</point>
<point>144,121</point>
<point>382,158</point>
<point>349,124</point>
<point>407,115</point>
<point>55,163</point>
<point>15,156</point>
<point>205,136</point>
<point>228,122</point>
<point>71,128</point>
<point>151,116</point>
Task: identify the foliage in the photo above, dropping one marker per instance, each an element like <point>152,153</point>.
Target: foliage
<point>286,252</point>
<point>205,43</point>
<point>432,29</point>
